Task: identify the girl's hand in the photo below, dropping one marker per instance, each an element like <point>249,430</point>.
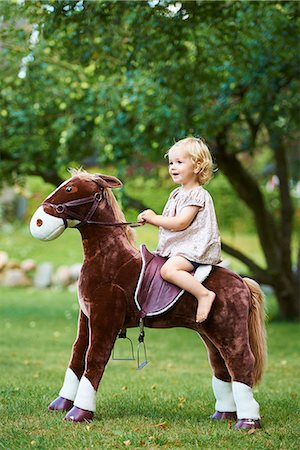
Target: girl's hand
<point>140,219</point>
<point>173,223</point>
<point>147,216</point>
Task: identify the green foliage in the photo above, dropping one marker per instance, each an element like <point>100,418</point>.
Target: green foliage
<point>116,83</point>
<point>166,405</point>
<point>119,81</point>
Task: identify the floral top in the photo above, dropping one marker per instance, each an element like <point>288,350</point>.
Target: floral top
<point>200,241</point>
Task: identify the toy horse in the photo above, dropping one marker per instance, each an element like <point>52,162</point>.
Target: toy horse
<point>233,332</point>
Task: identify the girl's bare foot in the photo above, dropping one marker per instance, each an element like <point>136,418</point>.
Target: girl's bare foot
<point>204,306</point>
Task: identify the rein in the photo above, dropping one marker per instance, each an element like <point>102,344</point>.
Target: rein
<point>63,208</point>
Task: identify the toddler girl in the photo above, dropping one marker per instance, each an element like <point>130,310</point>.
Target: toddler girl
<point>188,230</point>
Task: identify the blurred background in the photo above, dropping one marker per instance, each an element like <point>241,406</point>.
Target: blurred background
<point>111,85</point>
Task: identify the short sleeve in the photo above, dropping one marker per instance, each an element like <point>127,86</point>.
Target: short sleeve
<point>195,197</point>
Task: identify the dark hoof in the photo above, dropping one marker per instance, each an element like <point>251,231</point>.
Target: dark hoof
<point>224,416</point>
<point>248,424</point>
<point>60,404</point>
<point>79,415</point>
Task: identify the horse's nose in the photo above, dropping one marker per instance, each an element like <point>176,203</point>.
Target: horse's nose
<point>45,227</point>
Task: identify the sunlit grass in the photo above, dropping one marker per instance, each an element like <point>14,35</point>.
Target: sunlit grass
<point>19,244</point>
<point>166,405</point>
<point>67,249</point>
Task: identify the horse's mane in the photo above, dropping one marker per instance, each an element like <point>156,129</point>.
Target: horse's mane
<point>119,215</point>
<point>111,200</point>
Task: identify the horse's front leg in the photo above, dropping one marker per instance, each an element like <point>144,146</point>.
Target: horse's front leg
<point>67,394</point>
<point>105,322</point>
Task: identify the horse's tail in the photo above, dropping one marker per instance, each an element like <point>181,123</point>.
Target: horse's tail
<point>256,324</point>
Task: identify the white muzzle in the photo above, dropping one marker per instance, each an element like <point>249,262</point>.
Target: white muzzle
<point>45,227</point>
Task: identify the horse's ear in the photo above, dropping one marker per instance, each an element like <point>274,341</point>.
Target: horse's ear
<point>107,181</point>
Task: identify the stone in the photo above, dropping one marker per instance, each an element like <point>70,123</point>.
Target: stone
<point>28,265</point>
<point>62,277</point>
<point>15,277</point>
<point>3,259</point>
<point>12,264</point>
<point>43,275</point>
<point>75,270</point>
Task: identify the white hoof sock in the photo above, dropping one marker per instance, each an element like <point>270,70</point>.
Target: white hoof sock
<point>247,406</point>
<point>70,386</point>
<point>223,394</point>
<point>86,396</point>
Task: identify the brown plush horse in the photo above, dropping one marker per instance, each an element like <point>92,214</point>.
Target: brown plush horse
<point>233,332</point>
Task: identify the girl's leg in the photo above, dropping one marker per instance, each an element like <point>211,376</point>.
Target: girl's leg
<point>176,270</point>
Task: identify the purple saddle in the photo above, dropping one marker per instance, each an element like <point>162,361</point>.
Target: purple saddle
<point>153,295</point>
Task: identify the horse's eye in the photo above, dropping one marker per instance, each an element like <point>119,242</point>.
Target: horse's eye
<point>69,188</point>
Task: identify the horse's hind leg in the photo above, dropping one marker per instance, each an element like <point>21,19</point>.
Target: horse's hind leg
<point>240,362</point>
<point>225,407</point>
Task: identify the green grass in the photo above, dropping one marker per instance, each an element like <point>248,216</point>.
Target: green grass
<point>19,244</point>
<point>166,405</point>
<point>17,241</point>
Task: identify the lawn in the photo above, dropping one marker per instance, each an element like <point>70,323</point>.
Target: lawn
<point>19,244</point>
<point>166,405</point>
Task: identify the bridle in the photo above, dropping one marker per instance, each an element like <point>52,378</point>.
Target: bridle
<point>63,208</point>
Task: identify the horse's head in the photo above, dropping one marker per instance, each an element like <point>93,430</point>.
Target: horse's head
<point>72,204</point>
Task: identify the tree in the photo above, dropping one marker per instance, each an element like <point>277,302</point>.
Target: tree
<point>118,81</point>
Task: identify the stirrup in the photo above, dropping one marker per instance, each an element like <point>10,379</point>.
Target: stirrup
<point>122,335</point>
<point>141,344</point>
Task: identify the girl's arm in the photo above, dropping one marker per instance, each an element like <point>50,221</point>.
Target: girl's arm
<point>176,223</point>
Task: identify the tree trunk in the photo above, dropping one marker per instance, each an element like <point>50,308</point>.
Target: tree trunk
<point>274,238</point>
<point>287,293</point>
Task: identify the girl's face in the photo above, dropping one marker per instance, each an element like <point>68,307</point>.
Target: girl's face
<point>181,168</point>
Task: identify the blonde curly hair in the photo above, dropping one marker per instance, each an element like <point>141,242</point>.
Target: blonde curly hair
<point>200,156</point>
